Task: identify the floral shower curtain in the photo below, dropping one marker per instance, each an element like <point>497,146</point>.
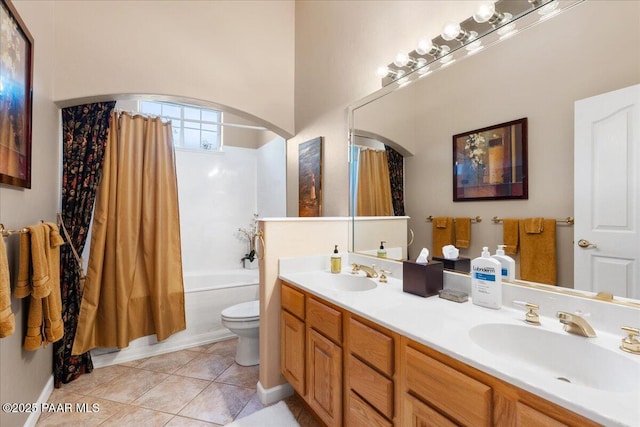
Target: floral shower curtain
<point>396,177</point>
<point>84,132</point>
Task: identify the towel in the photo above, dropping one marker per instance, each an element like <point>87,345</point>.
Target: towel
<point>52,304</point>
<point>40,268</point>
<point>534,225</point>
<point>7,318</point>
<point>442,234</point>
<point>44,321</point>
<point>23,285</point>
<point>510,235</point>
<point>538,251</point>
<point>463,232</point>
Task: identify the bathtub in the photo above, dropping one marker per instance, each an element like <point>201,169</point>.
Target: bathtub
<point>206,295</point>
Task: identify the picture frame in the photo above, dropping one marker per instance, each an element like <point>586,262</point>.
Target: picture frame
<point>310,178</point>
<point>16,97</point>
<point>491,163</point>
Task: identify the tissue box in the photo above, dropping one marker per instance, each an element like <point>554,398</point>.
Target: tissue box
<point>424,280</point>
<point>461,264</point>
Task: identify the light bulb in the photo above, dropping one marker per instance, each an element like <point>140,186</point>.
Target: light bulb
<point>424,46</point>
<point>401,60</point>
<point>382,72</point>
<point>451,31</point>
<point>484,12</point>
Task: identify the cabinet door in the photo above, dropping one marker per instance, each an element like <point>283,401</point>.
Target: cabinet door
<point>324,378</point>
<point>417,414</point>
<point>292,351</point>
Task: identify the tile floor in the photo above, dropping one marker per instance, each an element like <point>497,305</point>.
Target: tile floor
<point>200,386</point>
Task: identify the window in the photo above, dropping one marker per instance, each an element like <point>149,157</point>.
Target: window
<point>193,127</point>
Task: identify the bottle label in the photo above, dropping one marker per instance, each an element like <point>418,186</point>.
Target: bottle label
<point>486,277</point>
<point>505,272</point>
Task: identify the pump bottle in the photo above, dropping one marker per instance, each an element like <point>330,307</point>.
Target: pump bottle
<point>336,261</point>
<point>486,281</point>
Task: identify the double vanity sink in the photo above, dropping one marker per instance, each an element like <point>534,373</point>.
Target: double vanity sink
<point>592,377</point>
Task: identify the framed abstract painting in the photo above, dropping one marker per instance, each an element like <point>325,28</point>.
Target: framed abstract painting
<point>16,73</point>
<point>310,178</point>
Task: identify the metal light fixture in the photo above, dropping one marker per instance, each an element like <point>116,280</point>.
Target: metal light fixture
<point>492,21</point>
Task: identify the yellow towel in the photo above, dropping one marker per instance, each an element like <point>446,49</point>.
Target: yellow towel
<point>40,266</point>
<point>463,232</point>
<point>510,235</point>
<point>538,261</point>
<point>52,304</point>
<point>7,318</point>
<point>44,322</point>
<point>534,225</point>
<point>23,285</point>
<point>442,234</point>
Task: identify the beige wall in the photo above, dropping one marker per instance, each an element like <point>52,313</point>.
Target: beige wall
<point>339,45</point>
<point>288,238</point>
<point>236,54</point>
<point>24,374</point>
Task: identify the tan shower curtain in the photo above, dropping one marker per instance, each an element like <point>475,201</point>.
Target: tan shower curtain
<point>374,185</point>
<point>134,278</point>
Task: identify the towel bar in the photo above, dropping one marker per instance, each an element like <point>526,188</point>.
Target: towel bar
<point>476,219</point>
<point>568,220</point>
<point>6,233</point>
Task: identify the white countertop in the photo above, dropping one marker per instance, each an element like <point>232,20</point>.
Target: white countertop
<point>444,326</point>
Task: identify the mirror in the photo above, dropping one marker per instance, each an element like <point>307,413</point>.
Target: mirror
<point>537,74</point>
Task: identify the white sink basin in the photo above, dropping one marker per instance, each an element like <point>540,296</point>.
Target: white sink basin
<point>562,356</point>
<point>341,282</point>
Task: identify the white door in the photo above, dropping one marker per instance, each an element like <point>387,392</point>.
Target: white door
<point>607,193</point>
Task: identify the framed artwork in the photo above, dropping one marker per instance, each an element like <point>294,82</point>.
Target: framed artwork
<point>491,163</point>
<point>16,71</point>
<point>310,178</point>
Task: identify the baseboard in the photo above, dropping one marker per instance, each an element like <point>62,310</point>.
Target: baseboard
<point>140,352</point>
<point>43,398</point>
<point>273,394</point>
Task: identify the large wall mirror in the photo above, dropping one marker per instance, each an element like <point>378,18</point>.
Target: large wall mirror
<point>539,74</point>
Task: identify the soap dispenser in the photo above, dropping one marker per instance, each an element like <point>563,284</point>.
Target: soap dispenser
<point>336,261</point>
<point>486,281</point>
<point>382,252</point>
<point>508,263</point>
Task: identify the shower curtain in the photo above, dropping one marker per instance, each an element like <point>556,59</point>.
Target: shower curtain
<point>84,135</point>
<point>134,278</point>
<point>374,187</point>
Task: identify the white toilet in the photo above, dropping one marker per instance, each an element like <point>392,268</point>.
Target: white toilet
<point>244,320</point>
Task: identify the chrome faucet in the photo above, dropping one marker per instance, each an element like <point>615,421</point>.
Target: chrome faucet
<point>369,271</point>
<point>576,324</point>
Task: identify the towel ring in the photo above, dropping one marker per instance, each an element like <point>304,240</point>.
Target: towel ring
<point>412,237</point>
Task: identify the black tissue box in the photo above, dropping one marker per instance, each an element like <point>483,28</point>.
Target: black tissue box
<point>460,264</point>
<point>424,280</point>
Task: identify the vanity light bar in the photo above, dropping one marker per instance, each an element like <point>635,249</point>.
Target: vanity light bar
<point>490,24</point>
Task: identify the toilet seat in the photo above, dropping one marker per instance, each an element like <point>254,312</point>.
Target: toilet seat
<point>245,311</point>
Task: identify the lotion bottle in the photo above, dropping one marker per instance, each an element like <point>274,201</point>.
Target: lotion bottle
<point>336,261</point>
<point>382,252</point>
<point>486,281</point>
<point>508,263</point>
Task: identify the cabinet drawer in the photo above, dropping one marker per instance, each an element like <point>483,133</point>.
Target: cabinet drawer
<point>292,301</point>
<point>417,414</point>
<point>372,386</point>
<point>360,414</point>
<point>372,346</point>
<point>325,319</point>
<point>464,399</point>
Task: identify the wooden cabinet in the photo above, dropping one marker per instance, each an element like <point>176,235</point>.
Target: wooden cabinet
<point>352,371</point>
<point>292,360</point>
<point>324,378</point>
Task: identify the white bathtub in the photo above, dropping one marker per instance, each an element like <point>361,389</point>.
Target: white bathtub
<point>206,295</point>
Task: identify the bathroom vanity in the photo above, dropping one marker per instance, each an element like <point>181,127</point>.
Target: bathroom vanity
<point>363,353</point>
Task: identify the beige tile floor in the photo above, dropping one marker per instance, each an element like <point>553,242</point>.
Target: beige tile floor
<point>200,386</point>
